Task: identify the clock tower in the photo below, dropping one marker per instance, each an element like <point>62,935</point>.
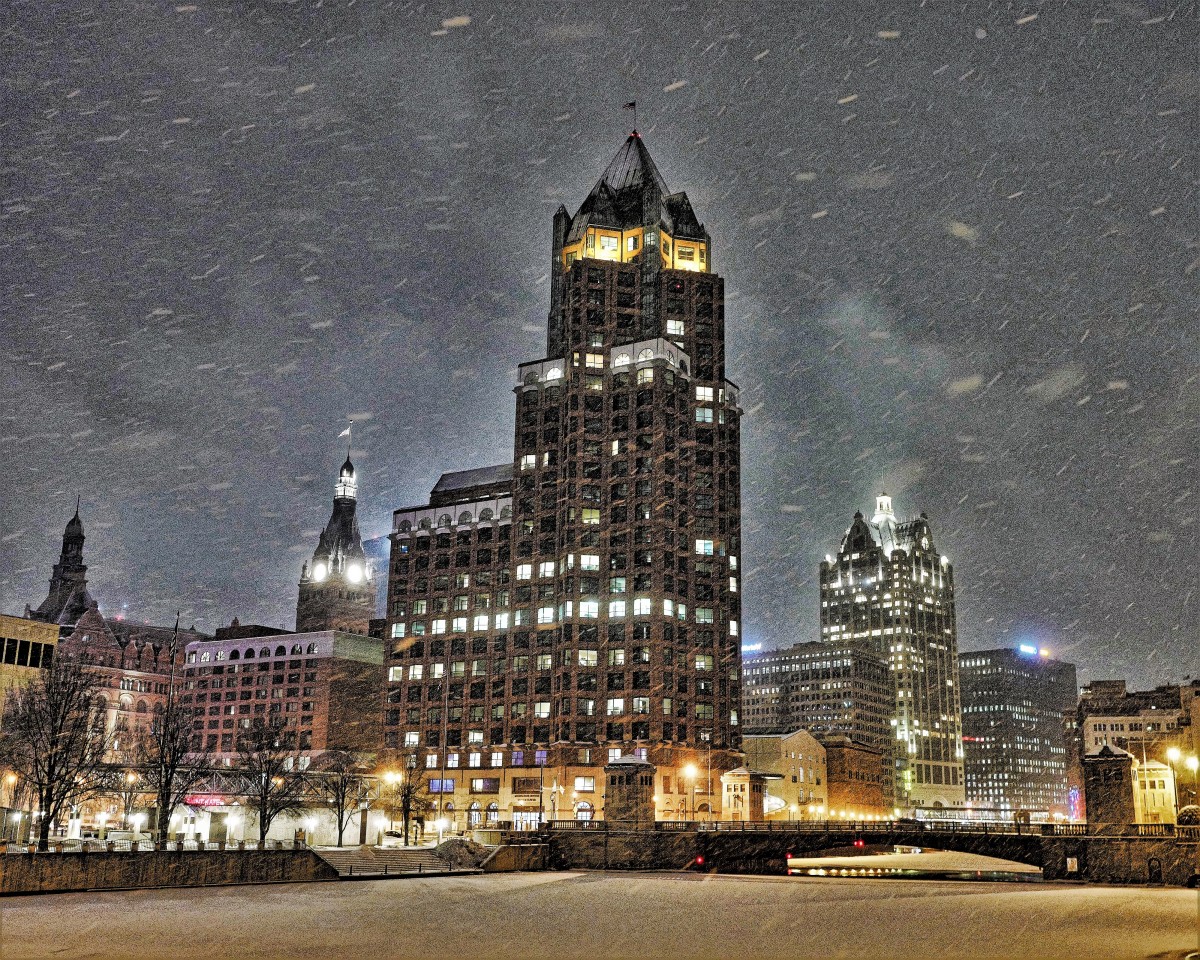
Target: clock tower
<point>337,587</point>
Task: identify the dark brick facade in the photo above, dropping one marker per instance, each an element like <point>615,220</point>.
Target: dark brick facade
<point>582,602</point>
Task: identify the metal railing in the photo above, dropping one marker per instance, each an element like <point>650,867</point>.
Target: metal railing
<point>146,846</point>
<point>927,828</point>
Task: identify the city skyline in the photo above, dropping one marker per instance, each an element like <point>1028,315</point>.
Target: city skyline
<point>1069,428</point>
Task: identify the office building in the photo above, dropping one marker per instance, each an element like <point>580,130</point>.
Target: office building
<point>1014,702</point>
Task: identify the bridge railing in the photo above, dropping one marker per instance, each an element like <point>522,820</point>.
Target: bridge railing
<point>883,827</point>
<point>147,845</point>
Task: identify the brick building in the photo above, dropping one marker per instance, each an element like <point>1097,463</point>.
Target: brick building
<point>324,686</point>
<point>26,646</point>
<point>889,587</point>
<point>134,661</point>
<point>798,789</point>
<point>580,601</point>
<point>337,586</point>
<point>855,779</point>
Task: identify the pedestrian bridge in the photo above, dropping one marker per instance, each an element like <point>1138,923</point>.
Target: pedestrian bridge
<point>1135,853</point>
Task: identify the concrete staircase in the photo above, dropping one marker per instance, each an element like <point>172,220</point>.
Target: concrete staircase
<point>379,862</point>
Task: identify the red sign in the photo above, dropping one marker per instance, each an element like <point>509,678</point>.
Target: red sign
<point>204,800</point>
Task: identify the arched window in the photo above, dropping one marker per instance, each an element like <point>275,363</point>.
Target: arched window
<point>425,524</point>
<point>143,707</point>
<point>646,354</point>
<point>531,378</point>
<point>583,810</point>
<point>264,652</point>
<point>486,513</point>
<point>465,517</point>
<point>474,815</point>
<point>249,655</point>
<point>281,651</point>
<point>296,651</point>
<point>505,513</point>
<point>444,520</point>
<point>311,648</point>
<point>235,655</point>
<point>493,812</point>
<point>622,360</point>
<point>554,373</point>
<point>405,526</point>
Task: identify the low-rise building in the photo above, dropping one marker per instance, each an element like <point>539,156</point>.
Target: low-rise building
<point>855,779</point>
<point>323,688</point>
<point>26,646</point>
<point>796,762</point>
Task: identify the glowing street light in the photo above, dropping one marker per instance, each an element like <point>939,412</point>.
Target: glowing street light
<point>1173,755</point>
<point>690,773</point>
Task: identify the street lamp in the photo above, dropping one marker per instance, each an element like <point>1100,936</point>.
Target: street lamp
<point>137,820</point>
<point>1173,755</point>
<point>689,773</point>
<point>101,820</point>
<point>392,779</point>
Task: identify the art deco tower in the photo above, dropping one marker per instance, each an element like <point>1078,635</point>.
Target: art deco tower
<point>889,587</point>
<point>337,587</point>
<point>580,602</point>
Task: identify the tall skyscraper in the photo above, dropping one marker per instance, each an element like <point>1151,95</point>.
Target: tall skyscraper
<point>337,587</point>
<point>68,598</point>
<point>1014,744</point>
<point>581,602</point>
<point>889,587</point>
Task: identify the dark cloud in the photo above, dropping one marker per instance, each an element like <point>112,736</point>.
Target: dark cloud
<point>960,249</point>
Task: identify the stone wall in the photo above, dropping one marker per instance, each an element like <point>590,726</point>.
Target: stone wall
<point>1142,860</point>
<point>64,872</point>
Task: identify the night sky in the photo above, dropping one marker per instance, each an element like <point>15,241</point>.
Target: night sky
<point>959,243</point>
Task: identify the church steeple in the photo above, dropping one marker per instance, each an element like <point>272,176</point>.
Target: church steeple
<point>68,597</point>
<point>337,590</point>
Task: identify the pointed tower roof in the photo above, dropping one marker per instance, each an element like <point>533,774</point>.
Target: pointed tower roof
<point>858,537</point>
<point>633,167</point>
<point>74,525</point>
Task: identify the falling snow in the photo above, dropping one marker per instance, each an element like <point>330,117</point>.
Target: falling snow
<point>960,249</point>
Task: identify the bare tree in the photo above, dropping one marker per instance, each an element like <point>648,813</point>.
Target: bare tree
<point>170,766</point>
<point>273,782</point>
<point>339,782</point>
<point>408,788</point>
<point>53,737</point>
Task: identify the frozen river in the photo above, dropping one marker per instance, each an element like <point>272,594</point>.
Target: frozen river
<point>603,915</point>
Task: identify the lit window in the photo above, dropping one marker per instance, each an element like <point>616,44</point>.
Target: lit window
<point>615,706</point>
<point>590,515</point>
<point>529,461</point>
<point>585,784</point>
<point>497,758</point>
<point>675,328</point>
<point>616,608</point>
<point>545,615</point>
<point>397,630</point>
<point>541,709</point>
<point>475,736</point>
<point>438,626</point>
<point>645,375</point>
<point>502,621</point>
<point>459,625</point>
<point>704,415</point>
<point>641,705</point>
<point>416,671</point>
<point>587,658</point>
<point>589,561</point>
<point>474,760</point>
<point>704,661</point>
<point>614,753</point>
<point>609,245</point>
<point>704,394</point>
<point>411,738</point>
<point>546,569</point>
<point>594,361</point>
<point>733,628</point>
<point>452,761</point>
<point>480,622</point>
<point>554,373</point>
<point>621,360</point>
<point>704,615</point>
<point>616,657</point>
<point>589,609</point>
<point>668,608</point>
<point>437,671</point>
<point>525,571</point>
<point>641,608</point>
<point>395,674</point>
<point>431,761</point>
<point>704,548</point>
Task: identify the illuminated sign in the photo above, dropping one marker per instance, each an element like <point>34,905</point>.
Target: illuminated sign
<point>204,800</point>
<point>1029,649</point>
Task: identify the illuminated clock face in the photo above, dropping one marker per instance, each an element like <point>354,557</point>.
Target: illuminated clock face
<point>354,573</point>
<point>319,571</point>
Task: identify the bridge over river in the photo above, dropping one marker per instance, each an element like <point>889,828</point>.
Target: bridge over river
<point>1134,853</point>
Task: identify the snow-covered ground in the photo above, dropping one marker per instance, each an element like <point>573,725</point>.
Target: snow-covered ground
<point>606,915</point>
